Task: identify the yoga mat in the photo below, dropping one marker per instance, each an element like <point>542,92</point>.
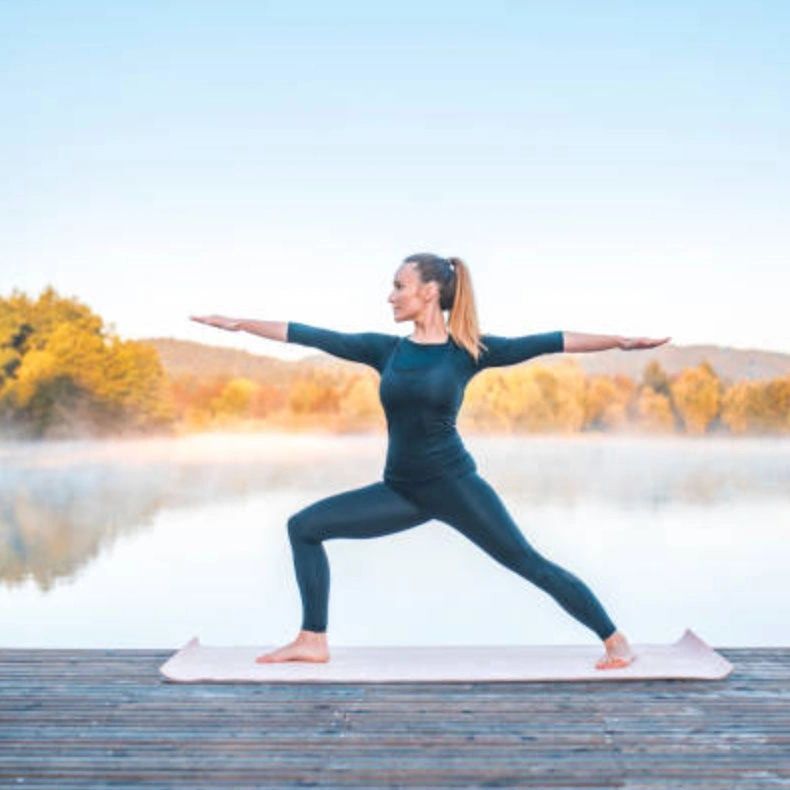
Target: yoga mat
<point>688,657</point>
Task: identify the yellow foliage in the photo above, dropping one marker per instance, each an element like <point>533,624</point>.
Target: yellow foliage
<point>737,406</point>
<point>654,411</point>
<point>314,392</point>
<point>776,400</point>
<point>655,378</point>
<point>606,401</point>
<point>60,366</point>
<point>361,398</point>
<point>757,406</point>
<point>696,393</point>
<point>235,398</point>
<point>599,394</point>
<point>527,398</point>
<point>480,399</point>
<point>65,371</point>
<point>79,354</point>
<point>563,387</point>
<point>36,367</point>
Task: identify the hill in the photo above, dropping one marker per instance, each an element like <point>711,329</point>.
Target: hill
<point>180,357</point>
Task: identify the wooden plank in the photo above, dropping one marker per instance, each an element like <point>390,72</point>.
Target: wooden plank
<point>77,718</point>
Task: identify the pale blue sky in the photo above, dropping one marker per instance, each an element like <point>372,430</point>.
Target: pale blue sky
<point>602,167</point>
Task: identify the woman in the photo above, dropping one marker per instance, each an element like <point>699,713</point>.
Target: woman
<point>428,473</point>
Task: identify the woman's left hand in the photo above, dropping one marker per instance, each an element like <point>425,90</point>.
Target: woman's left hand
<point>634,343</point>
<point>220,321</point>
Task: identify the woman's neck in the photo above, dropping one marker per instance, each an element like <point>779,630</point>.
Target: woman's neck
<point>434,334</point>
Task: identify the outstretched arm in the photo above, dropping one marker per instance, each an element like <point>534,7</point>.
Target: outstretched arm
<point>370,348</point>
<point>577,341</point>
<point>274,330</point>
<point>501,351</point>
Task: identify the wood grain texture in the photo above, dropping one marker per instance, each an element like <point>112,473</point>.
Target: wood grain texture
<point>106,718</point>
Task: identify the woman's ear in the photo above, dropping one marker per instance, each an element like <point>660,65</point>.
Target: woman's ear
<point>431,290</point>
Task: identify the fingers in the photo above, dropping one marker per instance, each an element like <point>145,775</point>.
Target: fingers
<point>652,343</point>
<point>634,343</point>
<point>211,320</point>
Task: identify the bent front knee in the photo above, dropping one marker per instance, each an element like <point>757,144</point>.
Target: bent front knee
<point>299,529</point>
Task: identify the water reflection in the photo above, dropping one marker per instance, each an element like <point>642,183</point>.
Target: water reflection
<point>97,537</point>
<point>63,503</point>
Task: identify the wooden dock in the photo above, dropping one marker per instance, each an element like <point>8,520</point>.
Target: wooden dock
<point>107,718</point>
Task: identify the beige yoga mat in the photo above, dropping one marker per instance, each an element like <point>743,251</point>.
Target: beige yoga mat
<point>688,657</point>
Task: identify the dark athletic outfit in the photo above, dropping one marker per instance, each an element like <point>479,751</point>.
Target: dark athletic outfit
<point>428,474</point>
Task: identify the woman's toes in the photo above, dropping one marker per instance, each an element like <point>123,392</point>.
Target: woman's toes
<point>614,662</point>
<point>280,654</point>
<point>295,652</point>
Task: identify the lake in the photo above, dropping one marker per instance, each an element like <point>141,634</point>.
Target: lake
<point>147,543</point>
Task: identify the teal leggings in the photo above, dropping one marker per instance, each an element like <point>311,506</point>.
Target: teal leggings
<point>467,503</point>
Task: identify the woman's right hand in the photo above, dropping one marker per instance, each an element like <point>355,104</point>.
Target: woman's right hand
<point>220,321</point>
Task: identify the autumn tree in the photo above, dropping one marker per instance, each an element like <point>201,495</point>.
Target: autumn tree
<point>655,377</point>
<point>234,400</point>
<point>607,401</point>
<point>63,373</point>
<point>266,399</point>
<point>696,393</point>
<point>654,411</point>
<point>757,406</point>
<point>314,392</point>
<point>359,399</point>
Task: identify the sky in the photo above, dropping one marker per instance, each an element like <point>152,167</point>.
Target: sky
<point>608,167</point>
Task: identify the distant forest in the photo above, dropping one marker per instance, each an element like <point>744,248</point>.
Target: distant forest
<point>64,374</point>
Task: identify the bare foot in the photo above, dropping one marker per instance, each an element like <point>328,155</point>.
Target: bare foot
<point>618,653</point>
<point>308,646</point>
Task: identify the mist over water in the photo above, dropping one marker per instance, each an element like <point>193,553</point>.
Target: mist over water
<point>146,543</point>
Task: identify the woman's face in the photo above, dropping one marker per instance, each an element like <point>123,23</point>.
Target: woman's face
<point>409,295</point>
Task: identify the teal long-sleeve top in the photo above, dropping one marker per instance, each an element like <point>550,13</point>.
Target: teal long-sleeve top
<point>422,388</point>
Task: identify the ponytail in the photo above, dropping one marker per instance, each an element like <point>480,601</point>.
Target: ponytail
<point>463,324</point>
<point>456,295</point>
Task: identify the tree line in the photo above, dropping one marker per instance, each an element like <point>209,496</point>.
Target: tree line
<point>63,373</point>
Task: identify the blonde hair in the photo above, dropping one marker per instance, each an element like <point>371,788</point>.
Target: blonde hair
<point>455,294</point>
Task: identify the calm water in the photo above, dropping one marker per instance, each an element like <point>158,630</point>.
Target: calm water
<point>148,543</point>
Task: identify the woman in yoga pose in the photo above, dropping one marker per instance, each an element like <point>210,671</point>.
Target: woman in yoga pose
<point>428,474</point>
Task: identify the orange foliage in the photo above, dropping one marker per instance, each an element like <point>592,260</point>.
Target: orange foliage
<point>654,411</point>
<point>62,372</point>
<point>696,394</point>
